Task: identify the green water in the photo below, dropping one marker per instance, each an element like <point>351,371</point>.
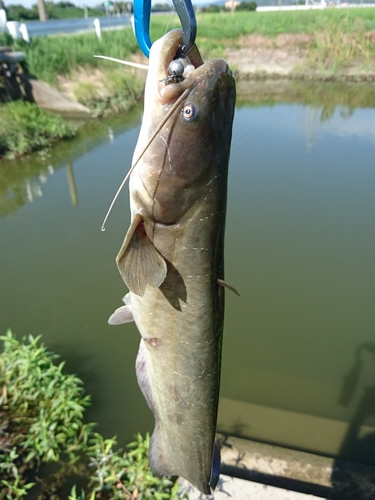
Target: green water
<point>299,346</point>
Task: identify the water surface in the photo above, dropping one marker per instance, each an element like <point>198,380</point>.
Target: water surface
<point>299,347</point>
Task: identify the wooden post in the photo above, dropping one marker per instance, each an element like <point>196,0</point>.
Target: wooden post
<point>42,10</point>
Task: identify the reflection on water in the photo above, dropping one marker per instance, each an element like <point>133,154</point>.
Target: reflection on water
<point>298,358</point>
<point>72,184</point>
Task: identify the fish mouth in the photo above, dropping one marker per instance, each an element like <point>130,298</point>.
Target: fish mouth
<point>171,49</point>
<point>163,52</point>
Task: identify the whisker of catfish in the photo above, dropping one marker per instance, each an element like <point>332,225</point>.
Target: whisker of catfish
<point>127,63</point>
<point>160,126</point>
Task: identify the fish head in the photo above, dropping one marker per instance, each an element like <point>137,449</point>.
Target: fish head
<point>186,131</point>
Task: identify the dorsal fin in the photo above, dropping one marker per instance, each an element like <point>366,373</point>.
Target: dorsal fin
<point>138,261</point>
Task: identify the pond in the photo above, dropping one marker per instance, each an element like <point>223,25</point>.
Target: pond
<point>299,347</point>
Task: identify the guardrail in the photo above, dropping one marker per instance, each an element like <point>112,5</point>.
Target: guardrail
<point>54,26</point>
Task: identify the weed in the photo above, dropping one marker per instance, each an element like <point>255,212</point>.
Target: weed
<point>340,46</point>
<point>42,412</point>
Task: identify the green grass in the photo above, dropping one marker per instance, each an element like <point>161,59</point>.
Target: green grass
<point>50,56</point>
<point>340,46</point>
<point>47,57</point>
<point>229,26</point>
<point>217,32</point>
<point>24,127</point>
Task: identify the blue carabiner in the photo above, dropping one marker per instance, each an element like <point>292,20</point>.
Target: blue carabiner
<point>186,14</point>
<point>142,13</point>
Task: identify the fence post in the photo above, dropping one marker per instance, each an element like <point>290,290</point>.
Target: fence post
<point>24,32</point>
<point>14,29</point>
<point>97,28</point>
<point>3,19</point>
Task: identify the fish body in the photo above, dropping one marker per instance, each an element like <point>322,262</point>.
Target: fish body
<point>173,256</point>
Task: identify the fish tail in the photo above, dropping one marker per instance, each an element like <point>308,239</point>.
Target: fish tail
<point>162,464</point>
<point>162,459</point>
<point>215,471</point>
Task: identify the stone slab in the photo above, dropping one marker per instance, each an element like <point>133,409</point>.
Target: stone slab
<point>240,489</point>
<point>49,98</point>
<point>324,477</point>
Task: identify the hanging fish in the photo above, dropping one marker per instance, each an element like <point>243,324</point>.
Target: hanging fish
<point>172,256</point>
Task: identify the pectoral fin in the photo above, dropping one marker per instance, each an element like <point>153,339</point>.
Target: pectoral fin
<point>138,261</point>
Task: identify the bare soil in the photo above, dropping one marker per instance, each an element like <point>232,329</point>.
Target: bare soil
<point>262,56</point>
<point>287,56</point>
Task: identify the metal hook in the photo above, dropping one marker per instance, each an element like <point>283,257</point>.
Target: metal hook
<point>186,14</point>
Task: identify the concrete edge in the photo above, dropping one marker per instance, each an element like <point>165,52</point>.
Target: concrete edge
<point>295,470</point>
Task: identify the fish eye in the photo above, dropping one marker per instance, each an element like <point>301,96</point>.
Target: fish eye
<point>189,112</point>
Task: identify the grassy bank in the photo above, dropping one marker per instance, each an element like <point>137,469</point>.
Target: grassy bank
<point>49,57</point>
<point>337,43</point>
<point>42,422</point>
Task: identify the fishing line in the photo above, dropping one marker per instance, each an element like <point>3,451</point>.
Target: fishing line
<point>173,11</point>
<point>161,125</point>
<point>127,63</point>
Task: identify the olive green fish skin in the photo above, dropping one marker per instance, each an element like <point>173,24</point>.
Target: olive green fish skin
<point>178,191</point>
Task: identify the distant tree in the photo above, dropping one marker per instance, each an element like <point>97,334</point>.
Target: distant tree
<point>49,8</point>
<point>161,7</point>
<point>213,8</point>
<point>247,6</point>
<point>65,5</point>
<point>20,13</point>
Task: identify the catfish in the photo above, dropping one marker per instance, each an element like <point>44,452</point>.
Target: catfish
<point>172,258</point>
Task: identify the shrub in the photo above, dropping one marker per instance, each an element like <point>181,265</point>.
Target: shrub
<point>42,414</point>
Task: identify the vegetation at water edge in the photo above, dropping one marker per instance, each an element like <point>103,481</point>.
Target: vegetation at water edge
<point>42,422</point>
<point>24,127</point>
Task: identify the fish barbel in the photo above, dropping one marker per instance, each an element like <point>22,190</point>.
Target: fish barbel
<point>172,257</point>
